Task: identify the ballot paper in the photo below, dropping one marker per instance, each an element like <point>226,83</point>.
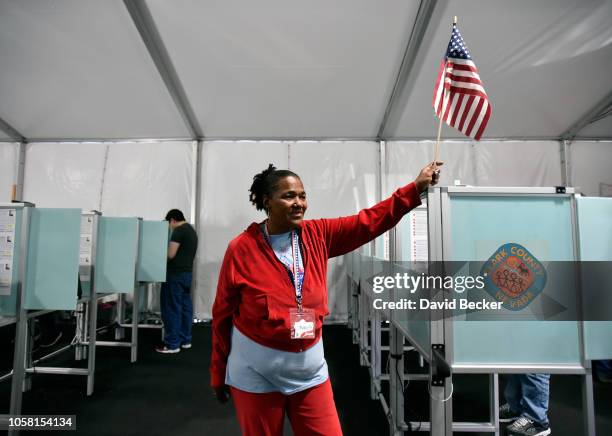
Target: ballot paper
<point>418,235</point>
<point>85,253</point>
<point>7,249</point>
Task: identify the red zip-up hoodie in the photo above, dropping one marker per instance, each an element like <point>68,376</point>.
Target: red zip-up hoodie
<point>255,291</point>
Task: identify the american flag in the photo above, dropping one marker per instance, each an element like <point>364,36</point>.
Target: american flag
<point>465,104</point>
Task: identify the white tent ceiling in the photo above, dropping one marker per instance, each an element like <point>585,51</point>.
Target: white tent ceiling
<point>282,69</point>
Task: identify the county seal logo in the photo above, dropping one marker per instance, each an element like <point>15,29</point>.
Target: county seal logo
<point>513,276</point>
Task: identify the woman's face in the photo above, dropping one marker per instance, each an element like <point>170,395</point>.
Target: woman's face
<point>286,206</point>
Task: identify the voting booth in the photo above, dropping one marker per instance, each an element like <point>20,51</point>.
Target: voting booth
<point>553,228</point>
<point>63,259</point>
<point>130,252</point>
<point>39,263</point>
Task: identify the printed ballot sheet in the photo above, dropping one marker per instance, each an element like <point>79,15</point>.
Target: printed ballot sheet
<point>418,235</point>
<point>7,249</point>
<point>85,252</point>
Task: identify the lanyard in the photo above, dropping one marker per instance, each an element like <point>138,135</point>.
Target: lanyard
<point>295,277</point>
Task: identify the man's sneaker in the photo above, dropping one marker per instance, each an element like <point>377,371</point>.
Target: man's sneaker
<point>526,427</point>
<point>506,414</point>
<point>165,350</point>
<point>186,346</point>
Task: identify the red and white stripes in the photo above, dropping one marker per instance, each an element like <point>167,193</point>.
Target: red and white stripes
<point>460,99</point>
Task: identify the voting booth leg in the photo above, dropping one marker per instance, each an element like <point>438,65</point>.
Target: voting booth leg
<point>17,382</point>
<point>91,326</point>
<point>396,380</point>
<point>494,401</point>
<point>80,324</point>
<point>588,402</point>
<point>119,331</point>
<point>440,386</point>
<point>29,341</point>
<point>349,300</point>
<point>85,326</point>
<point>355,313</point>
<point>363,328</point>
<point>135,316</point>
<point>375,353</point>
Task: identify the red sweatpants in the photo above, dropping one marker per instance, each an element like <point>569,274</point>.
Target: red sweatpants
<point>311,412</point>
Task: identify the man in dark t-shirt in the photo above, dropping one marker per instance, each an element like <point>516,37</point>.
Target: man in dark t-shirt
<point>176,304</point>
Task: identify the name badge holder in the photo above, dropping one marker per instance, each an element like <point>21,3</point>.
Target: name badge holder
<point>302,320</point>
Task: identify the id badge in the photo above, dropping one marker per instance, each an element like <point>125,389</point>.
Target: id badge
<point>302,323</point>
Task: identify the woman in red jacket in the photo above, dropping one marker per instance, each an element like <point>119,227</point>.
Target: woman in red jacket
<point>272,298</point>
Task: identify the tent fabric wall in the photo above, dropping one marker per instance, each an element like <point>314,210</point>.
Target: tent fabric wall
<point>119,179</point>
<point>591,167</point>
<point>8,166</point>
<point>148,179</point>
<point>64,175</point>
<point>518,163</point>
<point>486,163</point>
<point>340,178</point>
<point>226,174</point>
<point>405,160</point>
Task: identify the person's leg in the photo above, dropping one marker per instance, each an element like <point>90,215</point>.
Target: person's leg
<point>513,393</point>
<point>170,304</point>
<point>534,404</point>
<point>313,412</point>
<point>186,315</point>
<point>603,370</point>
<point>259,414</point>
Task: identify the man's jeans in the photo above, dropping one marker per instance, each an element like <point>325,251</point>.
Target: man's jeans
<point>177,309</point>
<point>527,394</point>
<point>603,368</point>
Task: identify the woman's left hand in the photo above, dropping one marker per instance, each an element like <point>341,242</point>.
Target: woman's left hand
<point>428,176</point>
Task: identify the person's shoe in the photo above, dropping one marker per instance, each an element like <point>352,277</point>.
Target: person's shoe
<point>526,427</point>
<point>506,414</point>
<point>186,346</point>
<point>165,350</point>
<point>603,378</point>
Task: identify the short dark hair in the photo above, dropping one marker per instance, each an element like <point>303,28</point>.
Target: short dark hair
<point>175,214</point>
<point>265,183</point>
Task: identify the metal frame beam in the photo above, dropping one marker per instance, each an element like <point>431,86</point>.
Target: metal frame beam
<point>566,163</point>
<point>20,171</point>
<point>405,74</point>
<point>604,105</point>
<point>297,139</point>
<point>196,192</point>
<point>11,131</point>
<point>143,20</point>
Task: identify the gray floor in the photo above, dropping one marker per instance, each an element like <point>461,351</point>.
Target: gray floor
<point>169,394</point>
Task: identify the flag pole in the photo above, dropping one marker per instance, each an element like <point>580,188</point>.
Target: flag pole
<point>437,146</point>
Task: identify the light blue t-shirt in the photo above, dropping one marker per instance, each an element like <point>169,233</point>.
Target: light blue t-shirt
<point>252,367</point>
<point>282,247</point>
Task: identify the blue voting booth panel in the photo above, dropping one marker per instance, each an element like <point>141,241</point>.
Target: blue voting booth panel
<point>117,248</point>
<point>479,225</point>
<point>595,229</point>
<point>52,265</point>
<point>153,251</point>
<point>8,303</point>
